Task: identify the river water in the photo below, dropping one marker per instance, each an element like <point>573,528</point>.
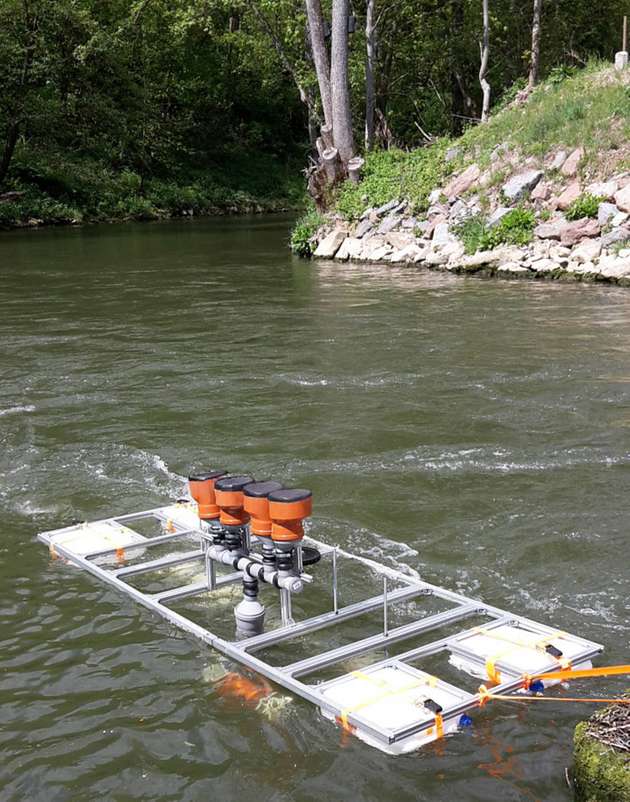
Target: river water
<point>475,431</point>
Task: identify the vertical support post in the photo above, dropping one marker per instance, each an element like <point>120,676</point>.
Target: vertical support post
<point>385,621</point>
<point>625,35</point>
<point>285,607</point>
<point>211,572</point>
<point>334,581</point>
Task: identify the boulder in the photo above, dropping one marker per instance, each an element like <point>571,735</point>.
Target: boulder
<point>436,258</point>
<point>603,189</point>
<point>558,160</point>
<point>460,211</point>
<point>546,265</point>
<point>433,223</point>
<point>569,196</point>
<point>434,197</point>
<point>570,166</point>
<point>613,267</point>
<point>329,246</point>
<point>380,254</point>
<point>364,227</point>
<point>606,212</point>
<point>622,198</point>
<point>351,248</point>
<point>463,182</point>
<point>551,230</point>
<point>587,251</point>
<point>513,267</point>
<point>406,255</point>
<point>619,219</point>
<point>410,223</point>
<point>521,184</point>
<point>386,207</point>
<point>618,235</point>
<point>481,258</point>
<point>497,215</point>
<point>542,192</point>
<point>400,239</point>
<point>391,222</point>
<point>573,233</point>
<point>442,234</point>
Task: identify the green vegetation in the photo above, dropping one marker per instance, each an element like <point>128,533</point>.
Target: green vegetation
<point>515,228</point>
<point>392,174</point>
<point>588,108</point>
<point>303,232</point>
<point>585,206</point>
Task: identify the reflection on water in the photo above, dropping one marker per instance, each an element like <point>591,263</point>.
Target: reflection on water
<point>472,431</point>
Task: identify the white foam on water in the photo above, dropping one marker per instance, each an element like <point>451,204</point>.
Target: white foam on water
<point>17,410</point>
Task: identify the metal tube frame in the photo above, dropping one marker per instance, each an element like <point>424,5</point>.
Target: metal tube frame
<point>287,676</point>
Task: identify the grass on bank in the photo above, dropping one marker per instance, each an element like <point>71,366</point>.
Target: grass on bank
<point>55,189</point>
<point>588,108</point>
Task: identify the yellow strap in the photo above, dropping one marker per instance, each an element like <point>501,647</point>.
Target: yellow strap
<point>493,674</point>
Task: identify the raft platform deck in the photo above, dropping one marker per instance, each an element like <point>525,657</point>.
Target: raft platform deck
<point>391,704</point>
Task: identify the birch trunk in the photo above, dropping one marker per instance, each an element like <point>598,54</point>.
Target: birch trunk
<point>483,70</point>
<point>534,67</point>
<point>320,55</point>
<point>341,113</point>
<point>370,59</point>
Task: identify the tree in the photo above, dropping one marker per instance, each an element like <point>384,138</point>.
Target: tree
<point>483,69</point>
<point>320,55</point>
<point>341,112</point>
<point>370,62</point>
<point>534,67</point>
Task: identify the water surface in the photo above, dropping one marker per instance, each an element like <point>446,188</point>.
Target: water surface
<point>475,431</point>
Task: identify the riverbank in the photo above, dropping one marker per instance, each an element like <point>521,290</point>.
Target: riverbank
<point>52,190</point>
<point>542,190</point>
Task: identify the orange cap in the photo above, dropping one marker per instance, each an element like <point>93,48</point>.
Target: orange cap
<point>287,509</point>
<point>229,495</point>
<point>256,503</point>
<point>201,486</point>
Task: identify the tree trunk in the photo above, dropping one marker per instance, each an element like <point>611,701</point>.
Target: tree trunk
<point>370,59</point>
<point>320,55</point>
<point>341,113</point>
<point>330,160</point>
<point>485,55</point>
<point>534,67</point>
<point>355,166</point>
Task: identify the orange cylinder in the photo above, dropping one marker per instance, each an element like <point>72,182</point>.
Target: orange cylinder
<point>256,503</point>
<point>229,494</point>
<point>288,508</point>
<point>201,486</point>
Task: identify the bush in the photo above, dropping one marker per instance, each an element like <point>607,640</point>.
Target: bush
<point>303,232</point>
<point>585,206</point>
<point>515,228</point>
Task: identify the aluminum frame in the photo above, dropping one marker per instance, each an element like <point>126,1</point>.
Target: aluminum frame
<point>242,651</point>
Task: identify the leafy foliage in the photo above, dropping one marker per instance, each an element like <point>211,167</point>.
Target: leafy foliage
<point>392,174</point>
<point>584,206</point>
<point>303,232</point>
<point>515,228</point>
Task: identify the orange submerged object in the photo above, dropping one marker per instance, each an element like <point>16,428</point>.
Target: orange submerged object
<point>201,486</point>
<point>256,503</point>
<point>230,499</point>
<point>288,508</point>
<point>236,686</point>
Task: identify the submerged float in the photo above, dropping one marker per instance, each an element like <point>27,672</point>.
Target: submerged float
<point>249,533</point>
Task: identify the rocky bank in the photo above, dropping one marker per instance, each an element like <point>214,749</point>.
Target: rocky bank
<point>595,248</point>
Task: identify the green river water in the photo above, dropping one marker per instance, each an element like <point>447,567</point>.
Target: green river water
<point>477,432</point>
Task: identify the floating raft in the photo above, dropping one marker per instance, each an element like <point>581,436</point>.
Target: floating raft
<point>392,703</point>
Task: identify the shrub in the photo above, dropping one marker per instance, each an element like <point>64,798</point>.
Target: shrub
<point>515,228</point>
<point>303,232</point>
<point>471,232</point>
<point>585,206</point>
